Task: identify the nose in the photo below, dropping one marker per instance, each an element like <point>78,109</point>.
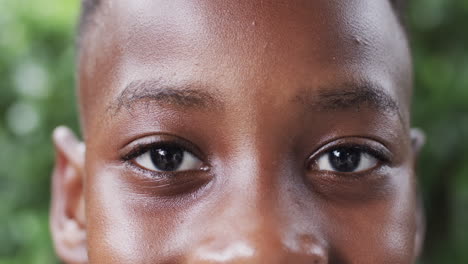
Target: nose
<point>260,248</point>
<point>259,219</point>
<point>244,234</point>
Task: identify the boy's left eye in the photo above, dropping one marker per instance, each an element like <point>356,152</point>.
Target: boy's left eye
<point>168,158</point>
<point>346,160</point>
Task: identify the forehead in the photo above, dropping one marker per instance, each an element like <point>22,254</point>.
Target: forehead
<point>278,47</point>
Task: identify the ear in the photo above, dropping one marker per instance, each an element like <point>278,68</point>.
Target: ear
<point>67,219</point>
<point>417,141</point>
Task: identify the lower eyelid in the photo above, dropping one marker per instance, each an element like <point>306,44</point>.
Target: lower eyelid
<point>154,184</point>
<point>145,173</point>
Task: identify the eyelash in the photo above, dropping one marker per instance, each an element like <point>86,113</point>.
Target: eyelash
<point>383,156</point>
<point>141,148</point>
<point>378,154</point>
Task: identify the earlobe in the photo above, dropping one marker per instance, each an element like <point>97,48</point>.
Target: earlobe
<point>418,140</point>
<point>420,226</point>
<point>67,219</point>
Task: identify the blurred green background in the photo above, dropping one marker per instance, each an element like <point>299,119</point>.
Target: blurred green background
<point>37,94</point>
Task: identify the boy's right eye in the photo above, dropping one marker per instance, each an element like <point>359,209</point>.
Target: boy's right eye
<point>168,158</point>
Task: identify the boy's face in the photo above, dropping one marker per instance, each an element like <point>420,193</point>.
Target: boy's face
<point>243,132</point>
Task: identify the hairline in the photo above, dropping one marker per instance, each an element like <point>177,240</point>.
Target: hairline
<point>89,9</point>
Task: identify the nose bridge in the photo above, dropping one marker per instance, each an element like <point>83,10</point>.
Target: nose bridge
<point>251,226</point>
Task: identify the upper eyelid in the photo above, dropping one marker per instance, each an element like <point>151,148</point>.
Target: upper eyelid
<point>144,148</point>
<point>137,151</point>
<point>144,144</point>
<point>371,151</point>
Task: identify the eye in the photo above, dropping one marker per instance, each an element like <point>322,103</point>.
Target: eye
<point>168,158</point>
<point>346,160</point>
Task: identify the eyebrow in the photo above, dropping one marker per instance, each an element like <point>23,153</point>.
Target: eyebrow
<point>348,96</point>
<point>351,96</point>
<point>154,91</point>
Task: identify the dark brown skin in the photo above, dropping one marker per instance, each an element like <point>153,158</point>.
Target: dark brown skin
<point>258,92</point>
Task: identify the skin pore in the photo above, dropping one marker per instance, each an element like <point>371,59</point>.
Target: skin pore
<point>258,101</point>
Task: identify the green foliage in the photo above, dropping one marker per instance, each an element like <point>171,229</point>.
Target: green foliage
<point>440,42</point>
<point>37,80</point>
<point>36,70</point>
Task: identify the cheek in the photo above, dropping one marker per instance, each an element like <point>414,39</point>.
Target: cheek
<point>122,226</point>
<point>129,227</point>
<point>378,230</point>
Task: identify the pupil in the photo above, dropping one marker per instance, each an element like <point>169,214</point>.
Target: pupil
<point>345,159</point>
<point>167,158</point>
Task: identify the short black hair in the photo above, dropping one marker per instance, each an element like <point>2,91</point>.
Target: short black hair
<point>88,9</point>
